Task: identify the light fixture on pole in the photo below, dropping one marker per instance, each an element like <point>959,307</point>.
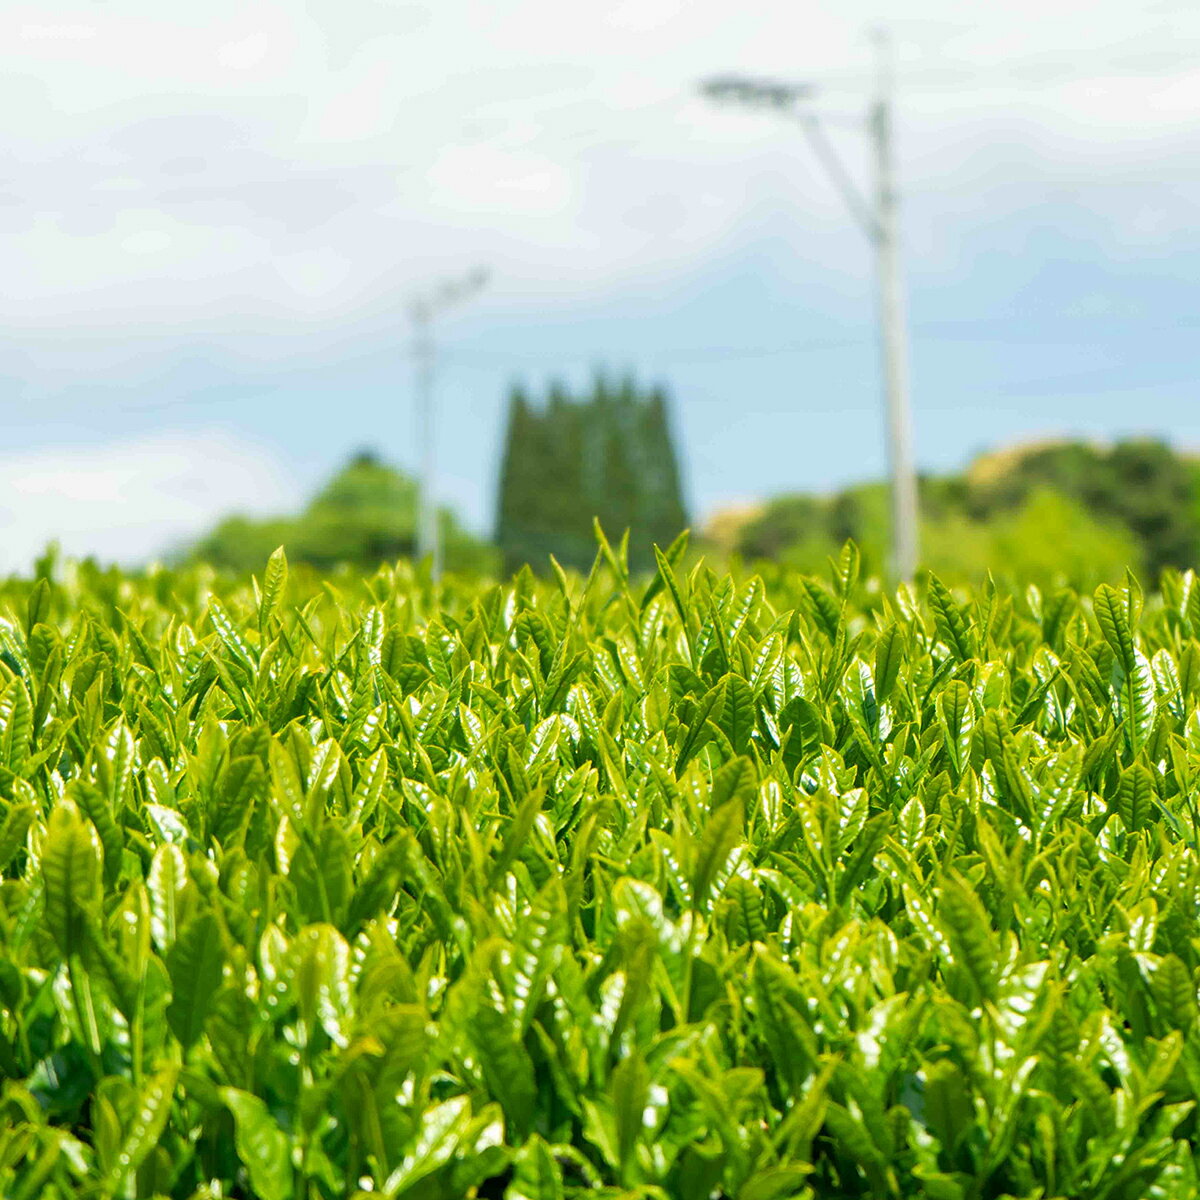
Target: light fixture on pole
<point>422,310</point>
<point>878,220</point>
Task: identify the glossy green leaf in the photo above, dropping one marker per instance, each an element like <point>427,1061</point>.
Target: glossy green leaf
<point>152,1111</point>
<point>71,878</point>
<point>195,963</point>
<point>262,1146</point>
<point>16,725</point>
<point>721,833</point>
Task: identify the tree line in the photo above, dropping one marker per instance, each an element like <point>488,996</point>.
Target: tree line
<point>1063,509</point>
<point>606,453</point>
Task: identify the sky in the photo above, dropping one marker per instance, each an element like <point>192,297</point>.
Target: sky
<point>214,219</point>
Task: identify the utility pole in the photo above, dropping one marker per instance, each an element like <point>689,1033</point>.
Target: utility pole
<point>422,310</point>
<point>893,325</point>
<point>877,217</point>
<point>429,544</point>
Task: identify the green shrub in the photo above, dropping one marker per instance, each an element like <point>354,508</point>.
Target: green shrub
<point>1045,538</point>
<point>313,889</point>
<point>366,515</point>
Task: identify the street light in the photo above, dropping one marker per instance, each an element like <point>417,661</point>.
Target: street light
<point>878,220</point>
<point>764,93</point>
<point>446,294</point>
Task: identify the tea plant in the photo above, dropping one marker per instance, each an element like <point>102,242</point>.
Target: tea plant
<point>328,888</point>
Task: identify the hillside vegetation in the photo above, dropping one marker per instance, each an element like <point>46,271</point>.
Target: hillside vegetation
<point>1061,513</point>
<point>585,887</point>
<point>1057,512</point>
<point>364,516</point>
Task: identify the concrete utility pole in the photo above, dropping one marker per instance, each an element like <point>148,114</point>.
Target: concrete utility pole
<point>893,325</point>
<point>422,311</point>
<point>878,220</point>
<point>428,542</point>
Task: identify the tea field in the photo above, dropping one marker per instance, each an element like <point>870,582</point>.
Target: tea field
<point>589,887</point>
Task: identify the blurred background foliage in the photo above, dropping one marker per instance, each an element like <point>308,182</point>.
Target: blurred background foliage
<point>364,516</point>
<point>607,454</point>
<point>1068,512</point>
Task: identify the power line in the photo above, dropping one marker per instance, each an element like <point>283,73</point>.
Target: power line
<point>668,359</point>
<point>677,357</point>
<point>1001,329</point>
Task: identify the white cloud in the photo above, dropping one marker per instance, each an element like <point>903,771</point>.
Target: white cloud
<point>64,32</point>
<point>176,162</point>
<point>131,500</point>
<point>486,181</point>
<point>146,241</point>
<point>314,273</point>
<point>268,182</point>
<point>643,15</point>
<point>245,53</point>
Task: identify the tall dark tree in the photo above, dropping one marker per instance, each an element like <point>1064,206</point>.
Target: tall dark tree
<point>662,500</point>
<point>608,454</point>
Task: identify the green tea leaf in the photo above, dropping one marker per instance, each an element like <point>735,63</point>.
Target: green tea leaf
<point>71,876</point>
<point>261,1145</point>
<point>195,962</point>
<point>721,833</point>
<point>1134,802</point>
<point>166,881</point>
<point>13,832</point>
<point>1113,618</point>
<point>274,582</point>
<point>628,1090</point>
<point>507,1068</point>
<point>967,928</point>
<point>952,626</point>
<point>152,1112</point>
<point>889,655</point>
<point>16,724</point>
<point>738,716</point>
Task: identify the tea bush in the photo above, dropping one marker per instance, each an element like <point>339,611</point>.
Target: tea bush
<point>348,887</point>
